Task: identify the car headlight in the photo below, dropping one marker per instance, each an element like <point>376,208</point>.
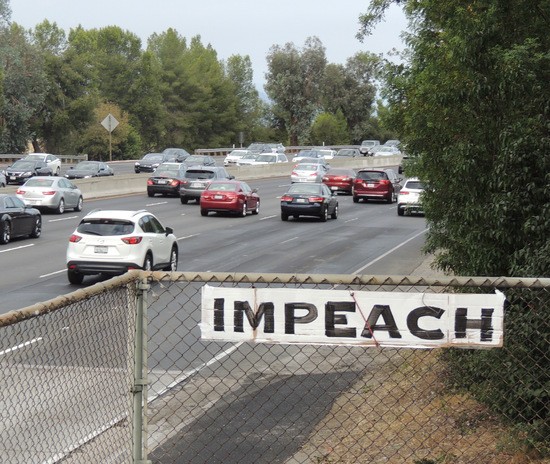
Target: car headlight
<point>27,174</point>
<point>136,163</point>
<point>87,177</point>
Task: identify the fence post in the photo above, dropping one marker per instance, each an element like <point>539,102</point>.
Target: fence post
<point>139,390</point>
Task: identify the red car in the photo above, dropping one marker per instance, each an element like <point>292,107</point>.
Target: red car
<point>231,196</point>
<point>376,184</point>
<point>340,180</point>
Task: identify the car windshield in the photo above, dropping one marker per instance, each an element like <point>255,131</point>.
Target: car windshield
<point>224,186</point>
<point>303,153</point>
<point>307,189</point>
<point>384,149</point>
<point>267,158</point>
<point>86,167</point>
<point>346,152</point>
<point>167,171</point>
<point>153,157</point>
<point>105,227</point>
<point>250,156</point>
<point>196,174</point>
<point>23,165</point>
<point>371,175</point>
<point>414,184</point>
<point>35,157</point>
<point>34,182</point>
<point>307,167</point>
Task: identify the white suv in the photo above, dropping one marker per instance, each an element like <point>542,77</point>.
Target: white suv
<point>409,199</point>
<point>114,242</point>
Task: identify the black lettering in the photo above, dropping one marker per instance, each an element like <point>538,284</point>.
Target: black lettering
<point>218,315</point>
<point>390,325</point>
<point>265,309</point>
<point>424,311</point>
<point>485,324</point>
<point>331,319</point>
<point>291,320</point>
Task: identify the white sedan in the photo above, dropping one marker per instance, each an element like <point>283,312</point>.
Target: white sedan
<point>385,150</point>
<point>53,162</point>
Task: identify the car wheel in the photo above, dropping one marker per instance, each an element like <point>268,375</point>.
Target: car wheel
<point>356,199</point>
<point>78,206</point>
<point>150,194</point>
<point>148,263</point>
<point>243,212</point>
<point>6,233</point>
<point>390,198</point>
<point>184,200</point>
<point>400,211</point>
<point>58,171</point>
<point>284,217</point>
<point>173,266</point>
<point>60,207</point>
<point>37,229</point>
<point>257,209</point>
<point>324,214</point>
<point>75,278</point>
<point>334,214</point>
<point>204,212</point>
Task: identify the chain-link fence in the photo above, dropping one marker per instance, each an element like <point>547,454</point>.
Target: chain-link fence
<point>76,372</point>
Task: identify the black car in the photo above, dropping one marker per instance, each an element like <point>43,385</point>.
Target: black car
<point>21,170</point>
<point>86,169</point>
<point>200,160</point>
<point>197,178</point>
<point>152,161</point>
<point>312,199</point>
<point>17,219</point>
<point>166,179</point>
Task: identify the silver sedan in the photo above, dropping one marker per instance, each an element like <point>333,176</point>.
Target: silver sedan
<point>307,172</point>
<point>52,193</point>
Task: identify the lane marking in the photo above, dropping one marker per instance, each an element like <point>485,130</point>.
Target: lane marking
<point>268,217</point>
<point>390,251</point>
<point>52,273</point>
<point>63,219</point>
<point>289,240</point>
<point>186,237</point>
<point>351,220</point>
<point>17,248</point>
<point>22,345</point>
<point>156,204</point>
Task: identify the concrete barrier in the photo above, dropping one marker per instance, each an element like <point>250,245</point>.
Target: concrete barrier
<point>125,184</point>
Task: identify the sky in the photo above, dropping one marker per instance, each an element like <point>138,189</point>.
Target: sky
<point>231,27</point>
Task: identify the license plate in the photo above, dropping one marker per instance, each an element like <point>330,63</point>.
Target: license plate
<point>196,185</point>
<point>100,249</point>
<point>218,197</point>
<point>12,177</point>
<point>162,181</point>
<point>370,185</point>
<point>334,187</point>
<point>301,200</point>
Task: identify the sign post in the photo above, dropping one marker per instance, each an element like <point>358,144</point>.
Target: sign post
<point>110,123</point>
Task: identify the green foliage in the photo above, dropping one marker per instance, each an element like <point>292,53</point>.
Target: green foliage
<point>329,129</point>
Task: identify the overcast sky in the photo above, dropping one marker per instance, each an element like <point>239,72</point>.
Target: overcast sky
<point>232,27</point>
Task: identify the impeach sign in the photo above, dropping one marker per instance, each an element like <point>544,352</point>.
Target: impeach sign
<point>344,317</point>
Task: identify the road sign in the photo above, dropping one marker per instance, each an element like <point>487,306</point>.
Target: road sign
<point>109,123</point>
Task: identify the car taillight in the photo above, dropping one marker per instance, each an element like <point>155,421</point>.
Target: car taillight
<point>19,192</point>
<point>385,182</point>
<point>325,179</point>
<point>49,192</point>
<point>294,173</point>
<point>132,240</point>
<point>75,238</point>
<point>312,173</point>
<point>149,182</point>
<point>286,198</point>
<point>184,182</point>
<point>174,182</point>
<point>403,192</point>
<point>316,199</point>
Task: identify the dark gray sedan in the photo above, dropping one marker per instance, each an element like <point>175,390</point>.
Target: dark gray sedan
<point>309,200</point>
<point>17,219</point>
<point>86,169</point>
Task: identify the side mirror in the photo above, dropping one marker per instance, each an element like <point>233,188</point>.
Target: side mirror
<point>168,231</point>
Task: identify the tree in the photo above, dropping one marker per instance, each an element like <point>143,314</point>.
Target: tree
<point>293,82</point>
<point>330,129</point>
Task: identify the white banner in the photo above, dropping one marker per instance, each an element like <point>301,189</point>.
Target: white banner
<point>342,317</point>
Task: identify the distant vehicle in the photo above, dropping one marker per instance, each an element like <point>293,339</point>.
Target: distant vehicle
<point>409,200</point>
<point>386,150</point>
<point>376,184</point>
<point>200,160</point>
<point>177,155</point>
<point>3,180</point>
<point>367,145</point>
<point>166,179</point>
<point>113,242</point>
<point>247,159</point>
<point>233,157</point>
<point>307,172</point>
<point>321,161</point>
<point>152,161</point>
<point>53,162</point>
<point>231,196</point>
<point>348,153</point>
<point>270,158</point>
<point>306,199</point>
<point>197,178</point>
<point>22,170</point>
<point>327,153</point>
<point>402,165</point>
<point>87,169</point>
<point>340,180</point>
<point>392,143</point>
<point>52,193</point>
<point>18,219</point>
<point>264,147</point>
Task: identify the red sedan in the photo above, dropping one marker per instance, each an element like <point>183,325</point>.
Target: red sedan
<point>231,196</point>
<point>340,180</point>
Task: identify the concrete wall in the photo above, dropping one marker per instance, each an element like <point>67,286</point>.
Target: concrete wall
<point>98,187</point>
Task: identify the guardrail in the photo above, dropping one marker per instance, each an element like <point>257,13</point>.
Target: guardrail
<point>68,159</point>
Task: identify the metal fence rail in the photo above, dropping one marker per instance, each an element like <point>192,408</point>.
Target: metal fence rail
<point>70,391</point>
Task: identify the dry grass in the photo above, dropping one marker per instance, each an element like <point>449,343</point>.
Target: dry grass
<point>405,416</point>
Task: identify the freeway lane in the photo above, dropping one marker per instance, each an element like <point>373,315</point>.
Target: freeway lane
<point>367,237</point>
